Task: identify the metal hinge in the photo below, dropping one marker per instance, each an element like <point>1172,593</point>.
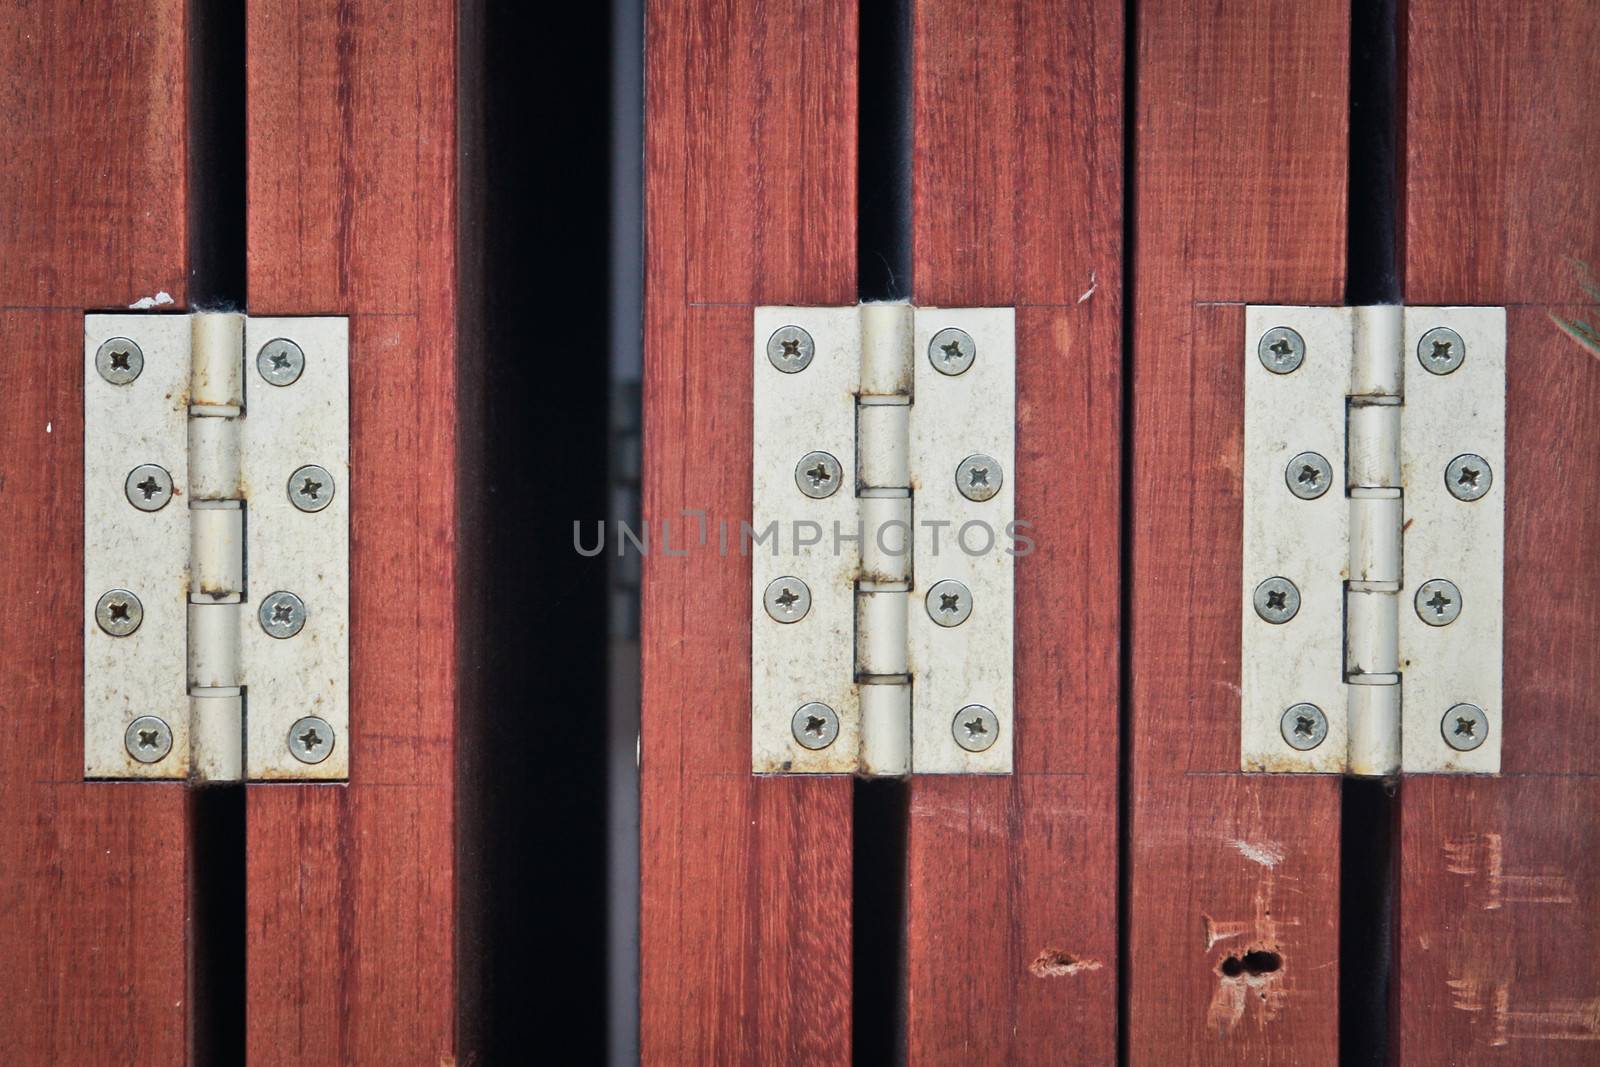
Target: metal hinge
<point>1372,615</point>
<point>882,540</point>
<point>216,547</point>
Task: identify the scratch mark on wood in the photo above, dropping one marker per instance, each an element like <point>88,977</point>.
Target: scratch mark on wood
<point>1267,853</point>
<point>1481,859</point>
<point>1561,1019</point>
<point>1054,963</point>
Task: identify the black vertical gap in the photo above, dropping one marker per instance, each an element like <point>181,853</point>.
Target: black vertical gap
<point>1368,874</point>
<point>217,925</point>
<point>1372,273</point>
<point>1369,810</point>
<point>537,248</point>
<point>879,918</point>
<point>215,56</point>
<point>883,167</point>
<point>1125,532</point>
<point>883,250</point>
<point>216,198</point>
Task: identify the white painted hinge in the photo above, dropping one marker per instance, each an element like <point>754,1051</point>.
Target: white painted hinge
<point>216,547</point>
<point>882,540</point>
<point>1374,532</point>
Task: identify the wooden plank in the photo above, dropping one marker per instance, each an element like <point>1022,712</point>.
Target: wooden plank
<point>1240,198</point>
<point>1017,179</point>
<point>750,199</point>
<point>352,210</point>
<point>1499,943</point>
<point>93,929</point>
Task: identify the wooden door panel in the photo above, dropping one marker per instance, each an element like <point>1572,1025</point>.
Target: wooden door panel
<point>93,876</point>
<point>1499,939</point>
<point>750,185</point>
<point>352,211</point>
<point>1239,173</point>
<point>1011,903</point>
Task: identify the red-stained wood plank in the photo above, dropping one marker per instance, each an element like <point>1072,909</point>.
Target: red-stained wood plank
<point>93,888</point>
<point>750,199</point>
<point>1240,198</point>
<point>352,210</point>
<point>1499,941</point>
<point>1017,193</point>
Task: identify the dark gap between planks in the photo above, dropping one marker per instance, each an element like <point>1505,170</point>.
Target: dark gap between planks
<point>216,258</point>
<point>1369,810</point>
<point>881,806</point>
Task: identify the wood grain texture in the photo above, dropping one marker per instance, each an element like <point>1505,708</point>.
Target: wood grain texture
<point>750,199</point>
<point>1499,944</point>
<point>352,210</point>
<point>1017,191</point>
<point>93,888</point>
<point>1240,198</point>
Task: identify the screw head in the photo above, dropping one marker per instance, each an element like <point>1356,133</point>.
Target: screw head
<point>148,487</point>
<point>1465,727</point>
<point>952,351</point>
<point>975,728</point>
<point>281,361</point>
<point>1441,350</point>
<point>118,612</point>
<point>311,488</point>
<point>949,602</point>
<point>1277,600</point>
<point>790,349</point>
<point>979,477</point>
<point>1468,477</point>
<point>818,475</point>
<point>148,739</point>
<point>1281,350</point>
<point>310,739</point>
<point>787,599</point>
<point>282,615</point>
<point>1304,727</point>
<point>1438,602</point>
<point>1308,475</point>
<point>119,360</point>
<point>815,726</point>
